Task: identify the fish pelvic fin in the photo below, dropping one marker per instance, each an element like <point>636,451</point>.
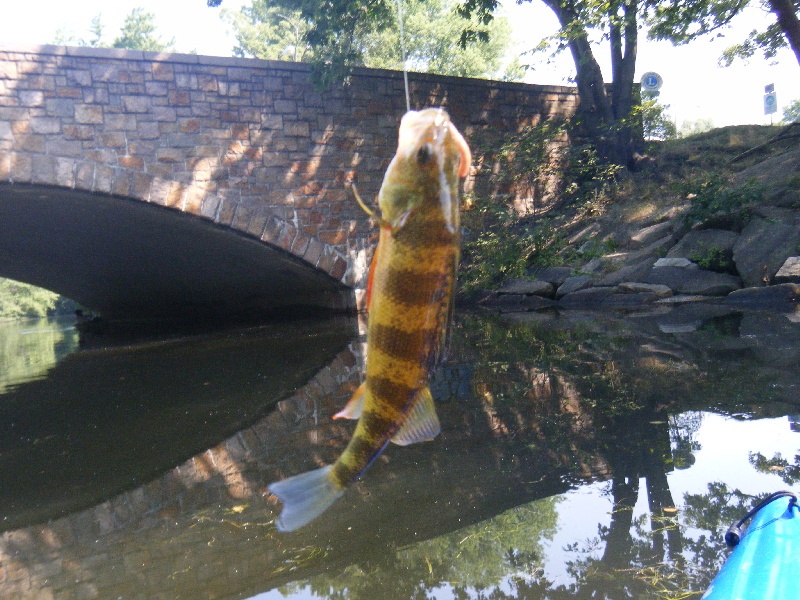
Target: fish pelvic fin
<point>354,406</point>
<point>421,424</point>
<point>304,497</point>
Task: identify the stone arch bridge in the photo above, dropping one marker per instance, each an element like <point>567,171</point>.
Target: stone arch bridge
<point>142,183</point>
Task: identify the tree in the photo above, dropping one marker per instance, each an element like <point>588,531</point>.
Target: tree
<point>791,113</point>
<point>287,30</point>
<point>681,22</point>
<point>605,112</point>
<point>137,33</point>
<point>656,123</point>
<point>267,32</point>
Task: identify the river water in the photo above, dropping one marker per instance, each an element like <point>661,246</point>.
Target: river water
<point>582,455</point>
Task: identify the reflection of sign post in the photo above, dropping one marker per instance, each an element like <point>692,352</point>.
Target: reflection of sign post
<point>770,101</point>
<point>651,82</point>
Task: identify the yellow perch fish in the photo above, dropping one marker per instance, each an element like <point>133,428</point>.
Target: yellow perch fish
<point>409,300</point>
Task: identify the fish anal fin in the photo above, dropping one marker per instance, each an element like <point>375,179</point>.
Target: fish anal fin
<point>304,497</point>
<point>354,406</point>
<point>421,424</point>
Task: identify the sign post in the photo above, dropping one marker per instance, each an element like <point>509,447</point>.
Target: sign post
<point>770,101</point>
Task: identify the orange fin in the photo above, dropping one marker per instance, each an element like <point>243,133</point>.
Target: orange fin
<point>354,406</point>
<point>421,424</point>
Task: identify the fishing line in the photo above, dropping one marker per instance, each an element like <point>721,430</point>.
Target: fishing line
<point>403,52</point>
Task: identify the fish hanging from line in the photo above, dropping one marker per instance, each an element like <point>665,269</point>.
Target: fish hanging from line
<point>409,302</point>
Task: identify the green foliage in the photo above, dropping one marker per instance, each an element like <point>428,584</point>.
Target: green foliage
<point>791,112</point>
<point>682,22</point>
<point>23,301</point>
<point>656,123</point>
<point>589,180</point>
<point>500,242</point>
<point>267,32</point>
<point>695,127</point>
<point>494,246</point>
<point>714,259</point>
<point>432,29</point>
<point>28,350</point>
<point>768,41</point>
<point>777,465</point>
<point>294,30</point>
<point>711,198</point>
<point>138,33</point>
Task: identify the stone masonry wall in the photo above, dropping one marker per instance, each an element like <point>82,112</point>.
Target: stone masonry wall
<point>249,144</point>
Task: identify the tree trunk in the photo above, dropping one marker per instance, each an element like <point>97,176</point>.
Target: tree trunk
<point>624,44</point>
<point>788,22</point>
<point>605,119</point>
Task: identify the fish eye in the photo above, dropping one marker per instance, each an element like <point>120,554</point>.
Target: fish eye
<point>425,153</point>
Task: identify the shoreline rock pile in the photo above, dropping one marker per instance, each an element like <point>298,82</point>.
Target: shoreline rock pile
<point>667,264</point>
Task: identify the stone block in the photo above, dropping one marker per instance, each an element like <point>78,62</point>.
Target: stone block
<point>45,125</point>
<point>678,262</point>
<point>162,71</point>
<point>782,297</point>
<point>120,122</point>
<point>765,243</point>
<point>136,104</point>
<point>589,298</point>
<point>31,97</point>
<point>43,169</point>
<point>574,284</point>
<point>790,271</point>
<point>527,287</point>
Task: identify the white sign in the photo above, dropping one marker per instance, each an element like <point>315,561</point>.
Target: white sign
<point>651,82</point>
<point>770,103</point>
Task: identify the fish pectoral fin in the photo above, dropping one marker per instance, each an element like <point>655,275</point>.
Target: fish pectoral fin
<point>400,221</point>
<point>354,406</point>
<point>422,424</point>
<point>304,497</point>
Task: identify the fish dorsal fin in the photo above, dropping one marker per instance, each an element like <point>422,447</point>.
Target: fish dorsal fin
<point>354,406</point>
<point>422,424</point>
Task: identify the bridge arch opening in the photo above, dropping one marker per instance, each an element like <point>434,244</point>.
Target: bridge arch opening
<point>127,259</point>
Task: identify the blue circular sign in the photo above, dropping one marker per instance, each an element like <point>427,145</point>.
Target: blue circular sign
<point>651,82</point>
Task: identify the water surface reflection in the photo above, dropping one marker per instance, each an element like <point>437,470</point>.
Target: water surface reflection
<point>581,456</point>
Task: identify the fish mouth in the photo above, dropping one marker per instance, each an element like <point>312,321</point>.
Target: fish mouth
<point>432,126</point>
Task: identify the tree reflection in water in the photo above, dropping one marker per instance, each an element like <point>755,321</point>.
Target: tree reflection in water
<point>573,463</point>
<point>638,407</point>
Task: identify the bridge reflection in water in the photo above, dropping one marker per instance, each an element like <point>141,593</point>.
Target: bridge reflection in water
<point>528,413</point>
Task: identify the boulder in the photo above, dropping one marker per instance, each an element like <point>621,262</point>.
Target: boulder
<point>634,287</point>
<point>554,275</point>
<point>573,284</point>
<point>694,282</point>
<point>679,263</point>
<point>699,243</point>
<point>528,287</point>
<point>681,299</point>
<point>647,235</point>
<point>790,271</point>
<point>628,300</point>
<point>781,297</point>
<point>632,272</point>
<point>772,235</point>
<point>772,338</point>
<point>516,302</point>
<point>587,298</point>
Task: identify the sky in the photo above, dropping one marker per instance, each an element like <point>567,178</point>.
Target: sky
<point>694,88</point>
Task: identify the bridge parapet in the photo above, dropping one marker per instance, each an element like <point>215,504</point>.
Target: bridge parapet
<point>248,144</point>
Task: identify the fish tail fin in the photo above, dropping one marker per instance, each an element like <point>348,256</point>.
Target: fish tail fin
<point>304,497</point>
